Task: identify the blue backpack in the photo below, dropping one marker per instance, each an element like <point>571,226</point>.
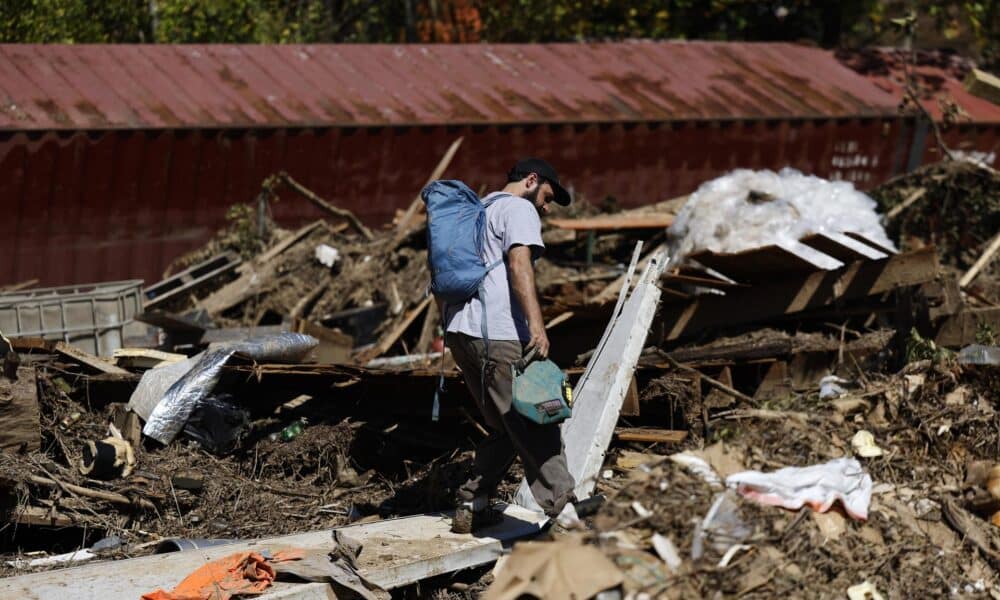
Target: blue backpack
<point>456,232</point>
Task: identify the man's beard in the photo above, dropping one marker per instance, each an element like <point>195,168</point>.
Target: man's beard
<point>532,196</point>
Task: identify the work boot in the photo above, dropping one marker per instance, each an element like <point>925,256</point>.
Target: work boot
<point>468,519</point>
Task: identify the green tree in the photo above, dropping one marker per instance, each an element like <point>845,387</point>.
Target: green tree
<point>74,21</point>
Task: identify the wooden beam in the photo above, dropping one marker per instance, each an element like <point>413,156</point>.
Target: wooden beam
<point>614,222</point>
<point>89,360</point>
<point>650,435</point>
<point>820,289</point>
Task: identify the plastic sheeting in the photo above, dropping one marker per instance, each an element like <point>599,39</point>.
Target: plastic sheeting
<point>819,486</point>
<point>749,209</point>
<point>188,382</point>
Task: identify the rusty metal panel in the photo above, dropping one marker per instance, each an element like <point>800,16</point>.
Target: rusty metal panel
<point>937,75</point>
<point>48,87</point>
<point>120,204</point>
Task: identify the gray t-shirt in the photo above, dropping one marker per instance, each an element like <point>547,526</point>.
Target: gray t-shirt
<point>510,220</point>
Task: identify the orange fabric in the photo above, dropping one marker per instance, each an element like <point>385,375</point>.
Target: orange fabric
<point>240,573</point>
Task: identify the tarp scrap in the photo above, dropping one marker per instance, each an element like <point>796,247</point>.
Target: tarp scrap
<point>237,574</point>
<point>818,486</point>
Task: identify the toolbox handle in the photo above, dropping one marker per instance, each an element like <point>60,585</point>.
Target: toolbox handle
<point>522,364</point>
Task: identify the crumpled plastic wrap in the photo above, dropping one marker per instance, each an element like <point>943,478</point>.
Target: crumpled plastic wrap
<point>196,379</point>
<point>819,486</point>
<point>723,216</point>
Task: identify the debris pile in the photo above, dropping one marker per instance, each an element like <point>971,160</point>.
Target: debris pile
<point>799,411</point>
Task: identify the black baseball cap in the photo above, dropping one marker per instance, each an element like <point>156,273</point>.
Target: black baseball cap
<point>546,172</point>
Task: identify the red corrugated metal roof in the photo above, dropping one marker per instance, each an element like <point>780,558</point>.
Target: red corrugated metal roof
<point>938,76</point>
<point>46,87</point>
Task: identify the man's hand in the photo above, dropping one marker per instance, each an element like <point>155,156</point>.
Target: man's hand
<point>539,339</point>
<point>522,280</point>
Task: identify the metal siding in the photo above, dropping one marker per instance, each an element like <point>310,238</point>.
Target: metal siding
<point>142,199</point>
<point>247,86</point>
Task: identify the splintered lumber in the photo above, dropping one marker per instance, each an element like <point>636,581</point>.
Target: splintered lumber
<point>601,390</point>
<point>20,431</point>
<point>984,260</point>
<point>650,435</point>
<point>308,194</point>
<point>89,360</point>
<point>394,553</point>
<point>390,338</point>
<point>614,222</point>
<point>615,286</point>
<point>709,380</point>
<point>842,247</point>
<point>253,274</point>
<point>190,278</point>
<point>816,290</point>
<point>145,358</point>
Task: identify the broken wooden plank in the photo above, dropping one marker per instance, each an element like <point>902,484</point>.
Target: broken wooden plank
<point>32,345</point>
<point>394,553</point>
<point>842,247</point>
<point>614,222</point>
<point>820,289</point>
<point>767,263</point>
<point>873,243</point>
<point>390,338</point>
<point>145,358</point>
<point>89,360</point>
<point>650,435</point>
<point>601,390</point>
<point>899,208</point>
<point>21,431</point>
<point>39,516</point>
<point>334,345</point>
<point>190,278</point>
<point>16,287</point>
<point>253,274</point>
<point>715,383</point>
<point>630,406</point>
<point>983,260</point>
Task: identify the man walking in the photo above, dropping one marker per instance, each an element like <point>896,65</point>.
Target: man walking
<point>514,325</point>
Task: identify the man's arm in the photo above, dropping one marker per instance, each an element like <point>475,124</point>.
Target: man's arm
<point>522,280</point>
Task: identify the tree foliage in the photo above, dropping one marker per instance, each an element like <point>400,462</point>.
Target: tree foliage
<point>970,27</point>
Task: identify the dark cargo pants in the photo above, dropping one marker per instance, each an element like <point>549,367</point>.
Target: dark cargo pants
<point>540,447</point>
